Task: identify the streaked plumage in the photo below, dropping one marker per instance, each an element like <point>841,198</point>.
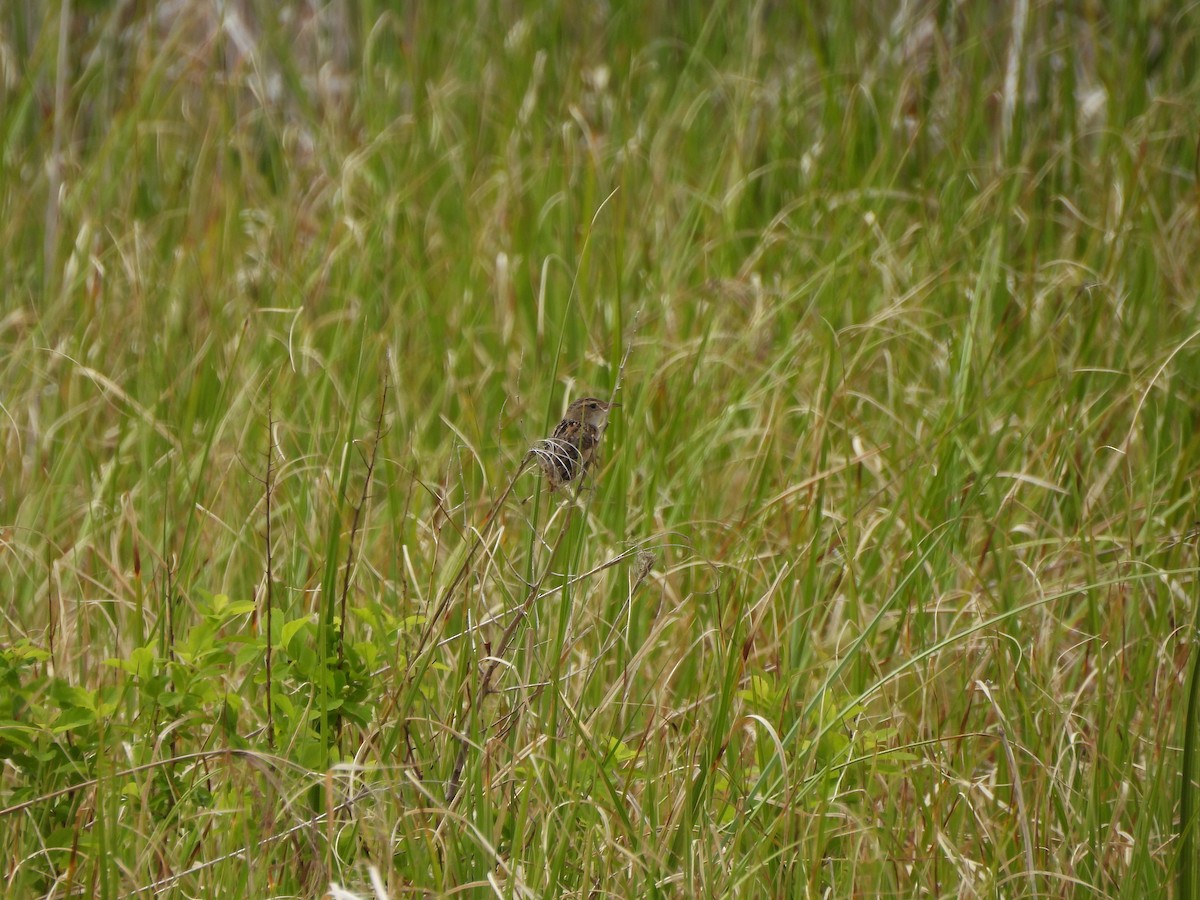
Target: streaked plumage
<point>571,449</point>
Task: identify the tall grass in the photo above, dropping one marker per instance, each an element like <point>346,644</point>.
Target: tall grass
<point>885,584</point>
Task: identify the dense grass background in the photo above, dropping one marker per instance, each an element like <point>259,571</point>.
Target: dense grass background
<point>886,585</point>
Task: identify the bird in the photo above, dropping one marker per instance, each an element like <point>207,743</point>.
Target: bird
<point>568,453</point>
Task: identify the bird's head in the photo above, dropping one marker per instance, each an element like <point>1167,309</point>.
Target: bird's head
<point>590,411</point>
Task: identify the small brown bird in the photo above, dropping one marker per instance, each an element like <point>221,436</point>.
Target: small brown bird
<point>569,452</point>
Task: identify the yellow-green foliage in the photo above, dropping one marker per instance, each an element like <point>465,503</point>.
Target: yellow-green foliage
<point>884,583</point>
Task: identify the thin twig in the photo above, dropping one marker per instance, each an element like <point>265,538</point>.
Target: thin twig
<point>506,639</point>
<point>480,536</point>
<point>533,595</point>
<point>163,883</point>
<point>270,596</point>
<point>134,770</point>
<point>411,669</point>
<point>1018,794</point>
<point>358,517</point>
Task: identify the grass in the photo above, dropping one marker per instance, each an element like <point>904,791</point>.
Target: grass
<point>886,585</point>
